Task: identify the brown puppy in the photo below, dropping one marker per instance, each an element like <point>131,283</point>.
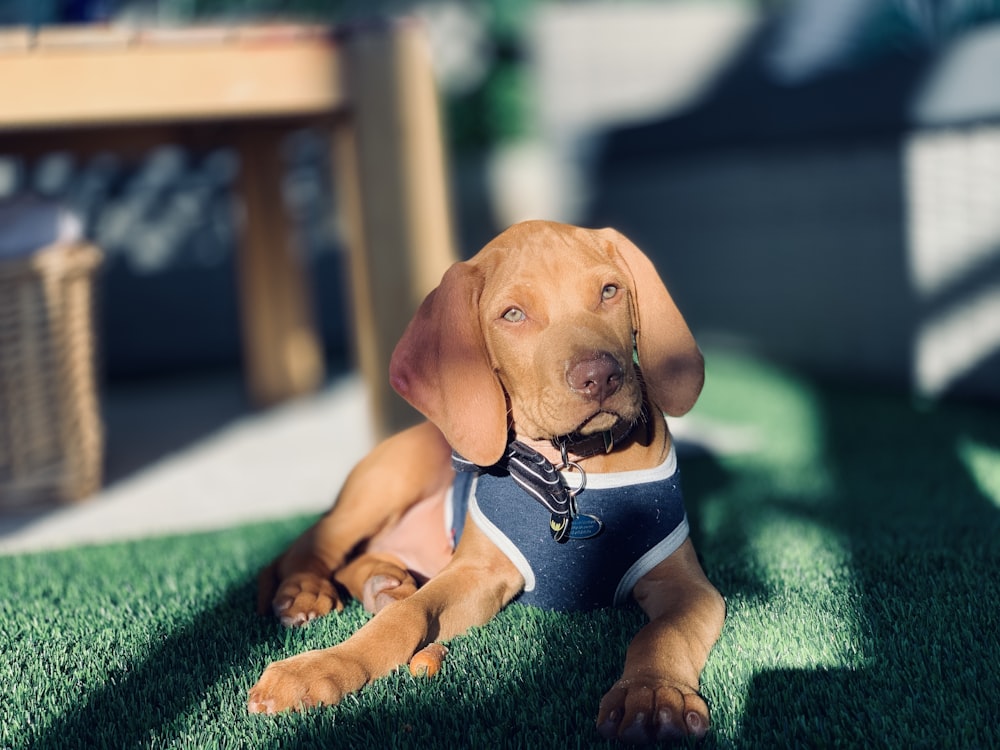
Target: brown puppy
<point>566,340</point>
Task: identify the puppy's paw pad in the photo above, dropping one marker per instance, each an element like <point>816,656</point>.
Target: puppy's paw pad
<point>428,660</point>
<point>302,598</point>
<point>639,713</point>
<point>379,583</point>
<point>665,728</point>
<point>608,729</point>
<point>697,725</point>
<point>636,733</point>
<point>260,706</point>
<point>296,684</point>
<point>381,590</point>
<point>296,619</point>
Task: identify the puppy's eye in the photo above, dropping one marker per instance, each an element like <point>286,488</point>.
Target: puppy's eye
<point>514,315</point>
<point>609,291</point>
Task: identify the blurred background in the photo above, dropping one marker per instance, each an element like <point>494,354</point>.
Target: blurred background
<point>818,183</point>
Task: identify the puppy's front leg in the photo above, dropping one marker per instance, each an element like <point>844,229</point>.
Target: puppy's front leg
<point>474,586</point>
<point>657,695</point>
<point>397,474</point>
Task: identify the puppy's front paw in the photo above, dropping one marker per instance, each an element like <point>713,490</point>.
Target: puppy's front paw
<point>381,590</point>
<point>640,712</point>
<point>315,678</point>
<point>303,597</point>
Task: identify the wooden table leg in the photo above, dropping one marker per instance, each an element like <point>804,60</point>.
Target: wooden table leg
<point>282,349</point>
<point>390,164</point>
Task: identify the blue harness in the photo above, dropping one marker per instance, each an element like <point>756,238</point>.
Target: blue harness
<point>643,518</point>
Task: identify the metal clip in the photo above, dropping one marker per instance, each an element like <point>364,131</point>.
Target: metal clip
<point>568,465</point>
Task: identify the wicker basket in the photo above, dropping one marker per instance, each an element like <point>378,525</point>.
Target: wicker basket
<point>51,438</point>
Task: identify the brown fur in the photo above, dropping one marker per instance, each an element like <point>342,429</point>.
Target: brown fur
<point>478,376</point>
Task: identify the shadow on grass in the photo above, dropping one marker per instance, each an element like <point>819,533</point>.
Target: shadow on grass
<point>189,688</point>
<point>185,650</point>
<point>922,541</point>
<point>136,703</point>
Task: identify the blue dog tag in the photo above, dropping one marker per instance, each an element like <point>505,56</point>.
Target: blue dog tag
<point>585,526</point>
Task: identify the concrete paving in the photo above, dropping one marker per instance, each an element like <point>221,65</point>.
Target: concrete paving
<point>187,455</point>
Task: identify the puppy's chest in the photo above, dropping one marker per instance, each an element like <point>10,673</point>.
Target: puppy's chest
<point>642,524</point>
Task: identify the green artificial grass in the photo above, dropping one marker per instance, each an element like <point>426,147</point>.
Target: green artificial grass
<point>857,546</point>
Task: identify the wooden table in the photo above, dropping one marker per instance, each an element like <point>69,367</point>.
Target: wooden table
<point>89,89</point>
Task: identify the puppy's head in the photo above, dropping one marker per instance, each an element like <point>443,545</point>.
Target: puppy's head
<point>536,334</point>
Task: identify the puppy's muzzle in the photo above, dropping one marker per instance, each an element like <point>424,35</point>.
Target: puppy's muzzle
<point>596,377</point>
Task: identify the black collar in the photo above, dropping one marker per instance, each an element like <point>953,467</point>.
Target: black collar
<point>583,446</point>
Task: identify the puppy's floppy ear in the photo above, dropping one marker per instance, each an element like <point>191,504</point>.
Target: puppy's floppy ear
<point>672,365</point>
<point>442,368</point>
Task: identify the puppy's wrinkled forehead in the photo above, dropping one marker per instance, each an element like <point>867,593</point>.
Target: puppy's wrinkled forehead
<point>541,255</point>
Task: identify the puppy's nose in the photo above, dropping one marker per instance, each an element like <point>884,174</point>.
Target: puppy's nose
<point>596,377</point>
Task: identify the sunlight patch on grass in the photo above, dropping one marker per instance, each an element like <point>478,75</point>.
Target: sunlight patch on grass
<point>983,463</point>
<point>810,570</point>
<point>779,406</point>
<point>788,470</point>
<point>804,616</point>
